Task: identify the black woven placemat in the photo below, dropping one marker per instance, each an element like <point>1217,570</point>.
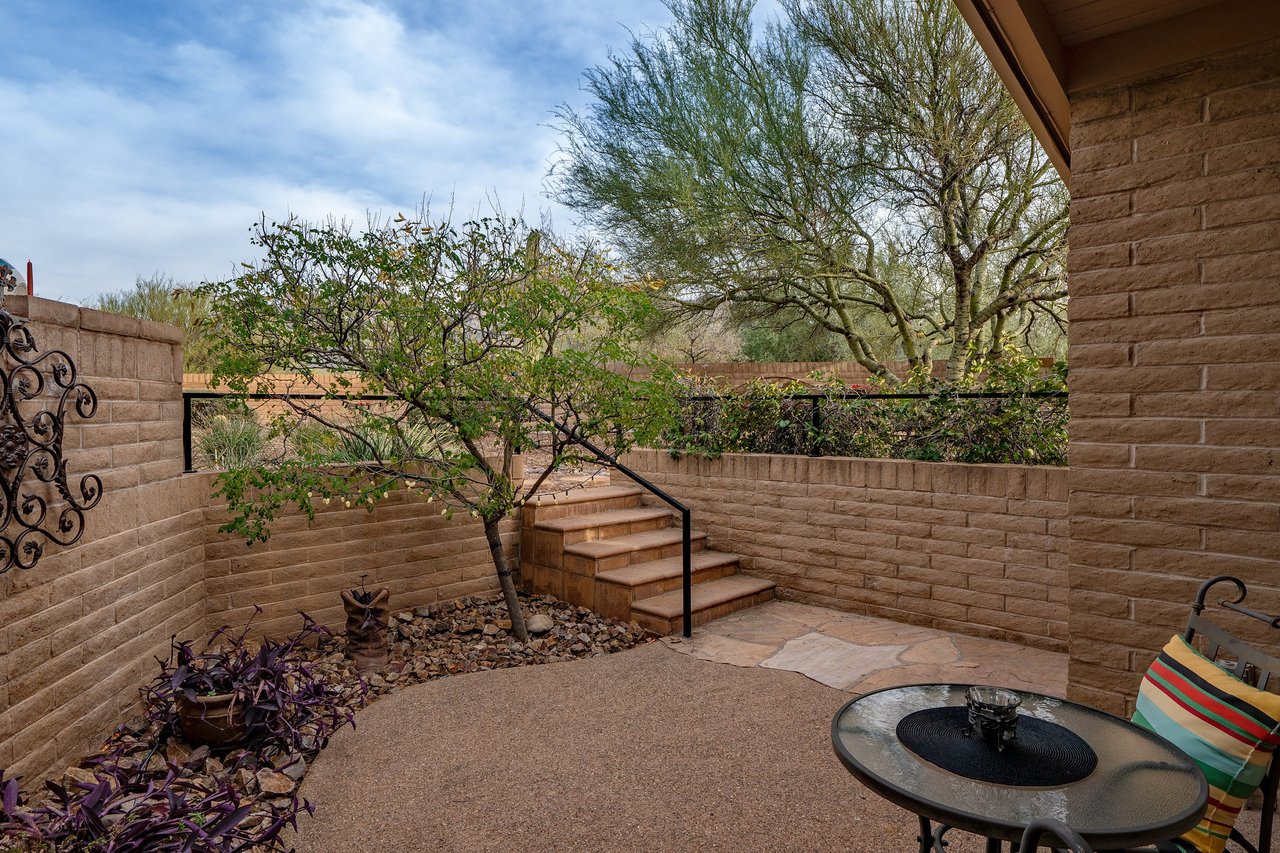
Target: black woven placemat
<point>1044,754</point>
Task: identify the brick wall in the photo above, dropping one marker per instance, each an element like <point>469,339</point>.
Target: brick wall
<point>977,549</point>
<point>79,633</point>
<point>403,544</point>
<point>1175,358</point>
<point>80,629</point>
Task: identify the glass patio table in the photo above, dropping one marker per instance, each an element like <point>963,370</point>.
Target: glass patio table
<point>1140,791</point>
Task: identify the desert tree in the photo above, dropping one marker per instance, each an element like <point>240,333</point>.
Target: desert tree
<point>164,299</point>
<point>857,168</point>
<point>470,335</point>
<point>955,161</point>
<point>707,336</point>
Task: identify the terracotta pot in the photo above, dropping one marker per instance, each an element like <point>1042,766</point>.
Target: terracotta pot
<point>212,720</point>
<point>367,630</point>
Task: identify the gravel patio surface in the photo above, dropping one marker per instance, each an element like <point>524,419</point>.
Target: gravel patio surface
<point>643,750</point>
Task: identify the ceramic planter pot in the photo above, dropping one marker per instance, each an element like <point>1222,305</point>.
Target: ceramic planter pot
<point>214,721</point>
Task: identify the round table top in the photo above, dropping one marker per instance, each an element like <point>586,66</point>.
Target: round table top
<point>1143,790</point>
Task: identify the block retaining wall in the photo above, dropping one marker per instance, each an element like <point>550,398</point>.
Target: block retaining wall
<point>976,549</point>
<point>79,633</point>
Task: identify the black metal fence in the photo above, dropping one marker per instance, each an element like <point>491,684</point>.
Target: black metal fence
<point>972,426</point>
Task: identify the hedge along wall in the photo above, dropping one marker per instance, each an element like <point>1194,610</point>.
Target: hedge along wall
<point>739,373</point>
<point>79,633</point>
<point>976,549</point>
<point>736,373</point>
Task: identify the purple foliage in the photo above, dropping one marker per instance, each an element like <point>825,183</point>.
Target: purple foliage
<point>122,811</point>
<point>285,704</point>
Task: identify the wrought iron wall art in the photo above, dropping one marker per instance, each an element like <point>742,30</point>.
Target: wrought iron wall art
<point>33,410</point>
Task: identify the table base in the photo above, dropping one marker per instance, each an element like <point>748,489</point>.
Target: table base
<point>932,840</point>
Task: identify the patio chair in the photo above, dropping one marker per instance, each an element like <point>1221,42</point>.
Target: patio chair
<point>1055,828</point>
<point>1240,660</point>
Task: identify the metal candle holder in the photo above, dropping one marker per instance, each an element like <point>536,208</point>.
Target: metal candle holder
<point>993,713</point>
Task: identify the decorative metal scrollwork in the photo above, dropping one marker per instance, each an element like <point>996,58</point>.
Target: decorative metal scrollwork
<point>32,467</point>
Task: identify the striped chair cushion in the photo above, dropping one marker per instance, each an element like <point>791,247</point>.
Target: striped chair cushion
<point>1230,728</point>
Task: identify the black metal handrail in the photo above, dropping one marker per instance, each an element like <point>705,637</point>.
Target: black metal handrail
<point>686,524</point>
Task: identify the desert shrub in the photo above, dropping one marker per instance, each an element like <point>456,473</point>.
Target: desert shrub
<point>311,440</point>
<point>374,440</point>
<point>230,437</point>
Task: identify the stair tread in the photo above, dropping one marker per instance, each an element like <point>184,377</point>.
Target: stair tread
<point>670,605</point>
<point>615,545</point>
<point>668,567</point>
<point>603,519</point>
<point>591,493</point>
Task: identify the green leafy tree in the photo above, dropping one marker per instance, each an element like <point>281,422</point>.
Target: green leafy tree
<point>790,337</point>
<point>859,165</point>
<point>475,336</point>
<point>163,299</point>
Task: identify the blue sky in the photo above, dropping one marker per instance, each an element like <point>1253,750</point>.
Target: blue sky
<point>142,136</point>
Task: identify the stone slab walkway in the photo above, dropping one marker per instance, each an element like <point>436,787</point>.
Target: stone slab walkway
<point>859,654</point>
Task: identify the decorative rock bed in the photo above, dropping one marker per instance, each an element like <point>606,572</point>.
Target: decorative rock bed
<point>467,635</point>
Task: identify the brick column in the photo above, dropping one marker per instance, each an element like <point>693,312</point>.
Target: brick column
<point>1175,358</point>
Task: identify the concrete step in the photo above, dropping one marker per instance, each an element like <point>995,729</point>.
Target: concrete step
<point>588,558</point>
<point>664,614</point>
<point>602,547</point>
<point>580,502</point>
<point>654,571</point>
<point>616,590</point>
<point>605,525</point>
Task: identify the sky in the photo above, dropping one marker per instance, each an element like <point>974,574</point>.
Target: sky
<point>149,136</point>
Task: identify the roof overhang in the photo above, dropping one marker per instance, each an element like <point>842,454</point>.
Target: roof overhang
<point>1042,68</point>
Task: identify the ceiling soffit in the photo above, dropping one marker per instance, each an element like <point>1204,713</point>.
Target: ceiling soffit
<point>1045,50</point>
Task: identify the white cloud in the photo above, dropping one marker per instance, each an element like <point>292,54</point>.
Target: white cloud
<point>162,158</point>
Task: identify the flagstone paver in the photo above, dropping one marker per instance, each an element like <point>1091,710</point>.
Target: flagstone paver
<point>940,650</point>
<point>861,653</point>
<point>831,661</point>
<point>866,631</point>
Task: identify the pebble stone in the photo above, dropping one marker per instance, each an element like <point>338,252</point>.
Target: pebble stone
<point>471,634</point>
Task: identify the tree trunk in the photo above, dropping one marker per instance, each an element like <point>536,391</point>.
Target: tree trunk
<point>494,538</point>
<point>958,360</point>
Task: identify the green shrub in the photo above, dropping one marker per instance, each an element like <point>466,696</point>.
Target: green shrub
<point>764,417</point>
<point>310,440</point>
<point>231,439</point>
<point>370,441</point>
